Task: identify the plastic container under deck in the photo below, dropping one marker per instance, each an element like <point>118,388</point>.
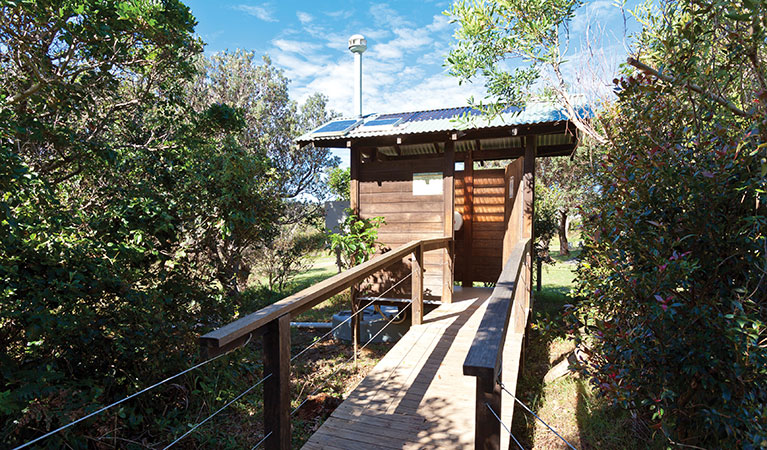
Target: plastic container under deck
<point>372,322</point>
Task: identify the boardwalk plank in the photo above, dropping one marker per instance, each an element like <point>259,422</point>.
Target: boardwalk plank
<point>417,396</point>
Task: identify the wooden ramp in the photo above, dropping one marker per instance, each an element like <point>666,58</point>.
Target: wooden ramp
<point>417,395</point>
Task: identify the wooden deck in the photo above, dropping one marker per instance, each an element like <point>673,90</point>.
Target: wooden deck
<point>417,395</point>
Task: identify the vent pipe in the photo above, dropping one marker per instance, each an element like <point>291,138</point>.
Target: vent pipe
<point>357,45</point>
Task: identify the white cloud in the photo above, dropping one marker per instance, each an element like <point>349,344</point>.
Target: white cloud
<point>296,68</point>
<point>263,12</point>
<point>304,17</point>
<point>340,14</point>
<point>412,39</point>
<point>401,69</point>
<point>439,23</point>
<point>306,49</point>
<point>407,40</point>
<point>385,16</point>
<point>436,91</point>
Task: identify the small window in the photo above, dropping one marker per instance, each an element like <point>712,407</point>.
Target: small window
<point>427,183</point>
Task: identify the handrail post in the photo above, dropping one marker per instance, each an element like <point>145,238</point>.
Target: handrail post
<point>277,386</point>
<point>356,323</point>
<point>487,432</point>
<point>417,286</point>
<point>506,312</point>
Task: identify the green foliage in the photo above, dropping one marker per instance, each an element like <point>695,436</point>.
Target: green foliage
<point>272,120</point>
<point>672,285</point>
<point>530,32</point>
<point>126,211</point>
<point>288,255</point>
<point>569,182</point>
<point>546,217</point>
<point>339,181</point>
<point>357,239</point>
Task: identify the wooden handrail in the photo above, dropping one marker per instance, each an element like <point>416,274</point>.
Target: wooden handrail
<point>273,323</point>
<point>237,332</point>
<point>485,352</point>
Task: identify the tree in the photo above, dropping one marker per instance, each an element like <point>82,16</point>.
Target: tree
<point>270,121</point>
<point>92,261</point>
<point>124,212</point>
<point>569,182</point>
<point>546,215</point>
<point>288,255</point>
<point>673,287</point>
<point>531,36</point>
<point>68,70</point>
<point>339,182</point>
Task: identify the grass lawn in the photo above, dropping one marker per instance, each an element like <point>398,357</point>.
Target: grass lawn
<point>568,404</point>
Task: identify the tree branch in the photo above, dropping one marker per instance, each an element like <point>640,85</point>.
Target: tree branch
<point>26,94</point>
<point>669,79</point>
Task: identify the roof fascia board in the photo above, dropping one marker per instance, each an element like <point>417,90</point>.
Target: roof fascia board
<point>441,136</point>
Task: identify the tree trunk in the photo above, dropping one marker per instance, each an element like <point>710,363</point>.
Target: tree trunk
<point>339,263</point>
<point>564,246</point>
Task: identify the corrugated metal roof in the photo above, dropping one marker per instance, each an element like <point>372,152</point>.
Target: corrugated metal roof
<point>449,119</point>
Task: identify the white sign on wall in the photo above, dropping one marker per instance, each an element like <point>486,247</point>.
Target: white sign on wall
<point>427,183</point>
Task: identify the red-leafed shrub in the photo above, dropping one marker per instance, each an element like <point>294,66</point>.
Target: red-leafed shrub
<point>673,279</point>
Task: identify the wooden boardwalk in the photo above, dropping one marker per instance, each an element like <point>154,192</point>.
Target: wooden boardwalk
<point>417,395</point>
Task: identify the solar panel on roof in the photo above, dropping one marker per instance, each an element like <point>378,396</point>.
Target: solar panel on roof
<point>437,114</point>
<point>388,122</point>
<point>337,126</point>
<point>404,115</point>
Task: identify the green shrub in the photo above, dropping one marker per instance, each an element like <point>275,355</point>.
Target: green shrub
<point>672,286</point>
<point>356,239</point>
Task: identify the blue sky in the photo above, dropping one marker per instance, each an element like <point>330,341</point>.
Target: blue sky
<point>407,43</point>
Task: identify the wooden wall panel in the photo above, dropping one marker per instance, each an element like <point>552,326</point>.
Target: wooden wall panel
<point>488,225</point>
<point>386,189</point>
<point>514,204</point>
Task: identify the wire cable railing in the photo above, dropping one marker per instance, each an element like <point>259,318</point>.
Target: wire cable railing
<point>359,311</point>
<point>535,415</point>
<point>198,425</point>
<point>258,444</point>
<point>125,399</point>
<point>504,426</point>
<point>350,359</point>
<point>255,324</point>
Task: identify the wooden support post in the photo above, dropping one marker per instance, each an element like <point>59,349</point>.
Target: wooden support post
<point>487,433</point>
<point>448,191</point>
<point>528,187</point>
<point>468,217</point>
<point>356,322</point>
<point>531,148</point>
<point>354,182</point>
<point>277,386</point>
<point>354,205</point>
<point>417,286</point>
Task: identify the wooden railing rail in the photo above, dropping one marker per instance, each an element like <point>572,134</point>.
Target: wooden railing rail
<point>508,300</point>
<point>273,323</point>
